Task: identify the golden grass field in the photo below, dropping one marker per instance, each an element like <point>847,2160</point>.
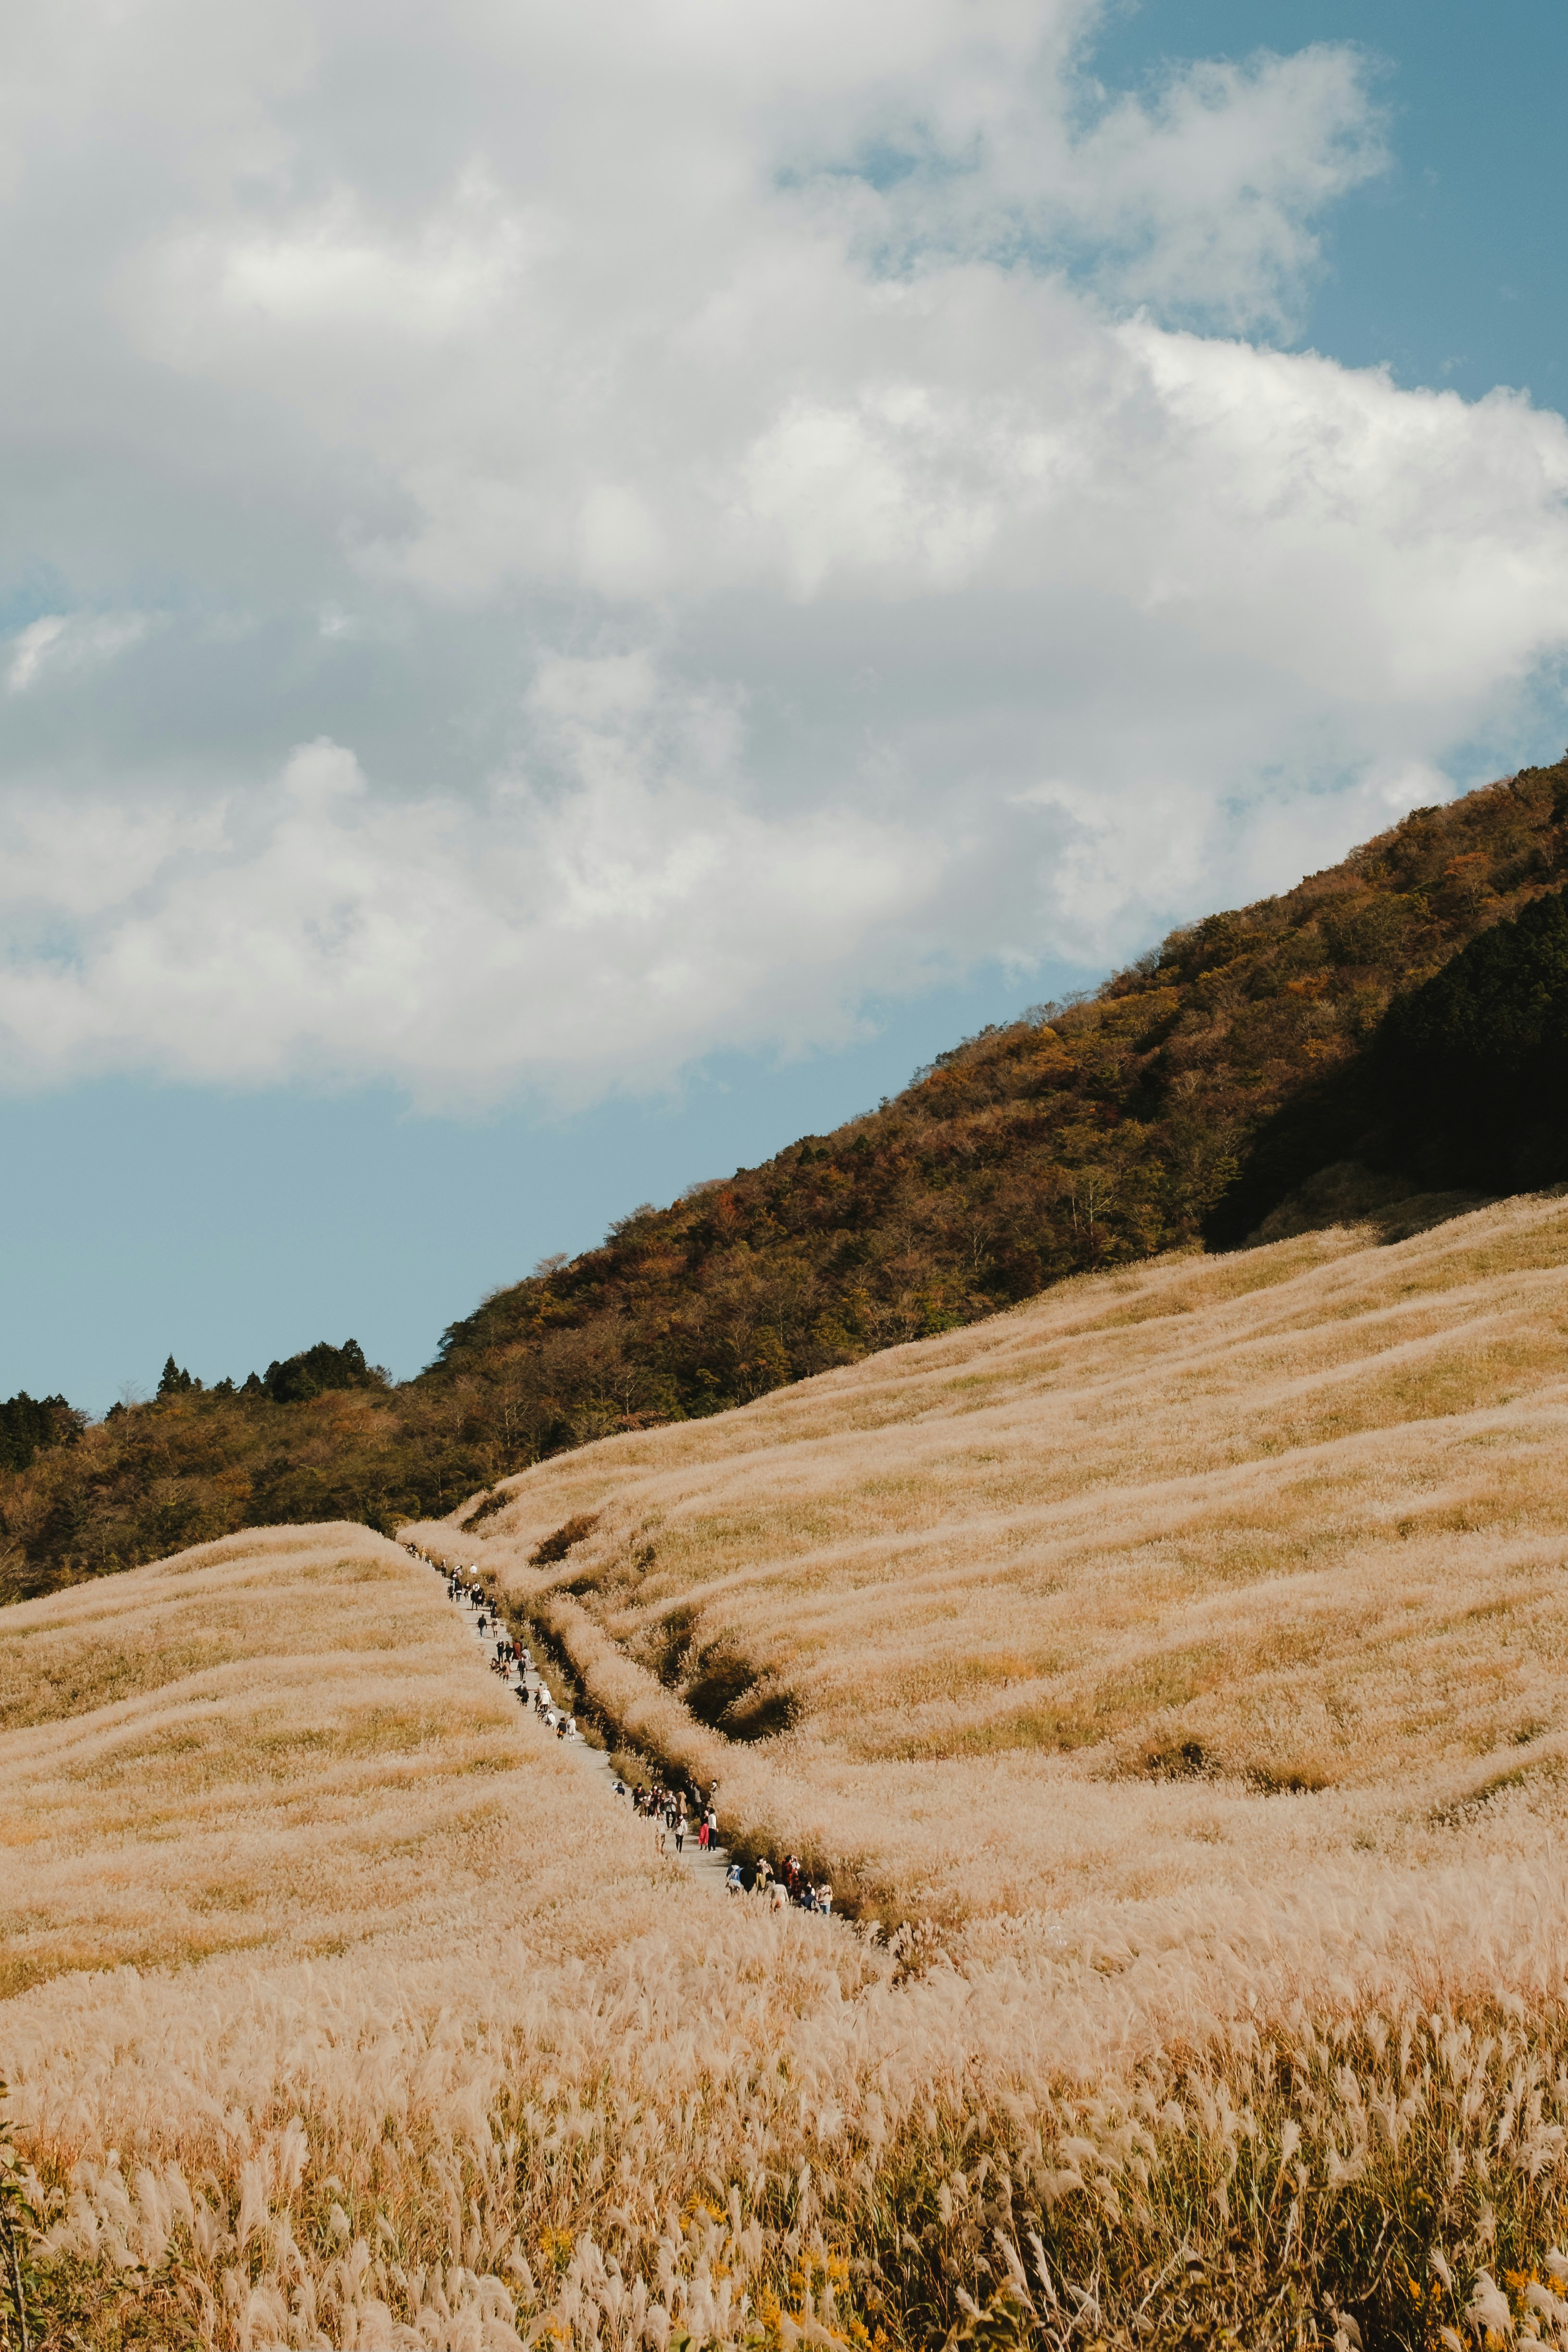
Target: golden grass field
<point>275,1743</point>
<point>1171,1580</point>
<point>1177,1667</point>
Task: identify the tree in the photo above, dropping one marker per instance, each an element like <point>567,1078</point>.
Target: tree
<point>29,1425</point>
<point>173,1382</point>
<point>298,1377</point>
<point>1475,1061</point>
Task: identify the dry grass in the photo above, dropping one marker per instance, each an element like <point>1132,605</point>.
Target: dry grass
<point>421,1944</point>
<point>1067,1599</point>
<point>1185,1648</point>
<point>276,1743</point>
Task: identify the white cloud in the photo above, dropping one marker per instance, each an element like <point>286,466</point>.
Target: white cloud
<point>1210,199</point>
<point>666,522</point>
<point>59,642</point>
<point>30,650</point>
<point>446,939</point>
<point>87,862</point>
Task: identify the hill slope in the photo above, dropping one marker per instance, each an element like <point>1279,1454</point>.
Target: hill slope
<point>1132,1123</point>
<point>1065,1600</point>
<point>1185,1650</point>
<point>278,1745</point>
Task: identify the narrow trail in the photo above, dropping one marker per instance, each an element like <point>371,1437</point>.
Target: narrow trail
<point>709,1867</point>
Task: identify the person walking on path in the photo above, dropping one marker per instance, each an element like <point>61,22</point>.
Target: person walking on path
<point>665,1808</point>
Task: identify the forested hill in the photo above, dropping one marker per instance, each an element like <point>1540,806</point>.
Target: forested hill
<point>1077,1136</point>
<point>1177,1104</point>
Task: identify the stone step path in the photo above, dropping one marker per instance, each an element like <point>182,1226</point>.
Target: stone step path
<point>709,1867</point>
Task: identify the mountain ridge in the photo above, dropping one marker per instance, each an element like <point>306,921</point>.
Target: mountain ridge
<point>1177,1105</point>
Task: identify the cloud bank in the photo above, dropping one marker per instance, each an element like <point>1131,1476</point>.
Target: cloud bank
<point>541,543</point>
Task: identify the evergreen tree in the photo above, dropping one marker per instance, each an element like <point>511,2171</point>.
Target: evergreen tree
<point>28,1425</point>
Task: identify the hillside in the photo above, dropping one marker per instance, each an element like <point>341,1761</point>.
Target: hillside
<point>1060,1604</point>
<point>276,1746</point>
<point>1175,1663</point>
<point>1181,1102</point>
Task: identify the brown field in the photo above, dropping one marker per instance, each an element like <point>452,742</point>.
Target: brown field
<point>1171,1674</point>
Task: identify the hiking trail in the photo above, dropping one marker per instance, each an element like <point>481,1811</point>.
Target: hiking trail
<point>708,1866</point>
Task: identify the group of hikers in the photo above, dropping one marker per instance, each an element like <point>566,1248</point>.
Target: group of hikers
<point>511,1656</point>
<point>671,1811</point>
<point>673,1816</point>
<point>783,1889</point>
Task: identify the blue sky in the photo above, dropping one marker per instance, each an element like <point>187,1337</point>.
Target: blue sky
<point>1449,268</point>
<point>539,672</point>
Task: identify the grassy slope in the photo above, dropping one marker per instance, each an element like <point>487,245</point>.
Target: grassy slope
<point>1296,1507</point>
<point>276,1745</point>
<point>1121,1128</point>
<point>316,1928</point>
<point>1062,1601</point>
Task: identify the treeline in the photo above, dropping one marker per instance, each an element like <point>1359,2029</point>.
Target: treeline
<point>1178,1104</point>
<point>322,1435</point>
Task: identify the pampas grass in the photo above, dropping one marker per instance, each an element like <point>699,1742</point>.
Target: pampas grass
<point>1071,1601</point>
<point>1178,1672</point>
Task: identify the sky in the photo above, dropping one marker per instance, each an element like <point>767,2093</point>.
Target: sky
<point>582,590</point>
